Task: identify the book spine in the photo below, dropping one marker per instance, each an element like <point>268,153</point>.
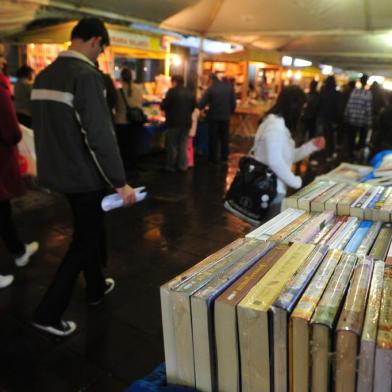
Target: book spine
<point>346,234</point>
<point>267,290</point>
<point>370,209</point>
<point>336,240</point>
<point>288,229</point>
<point>312,229</point>
<point>358,237</point>
<point>352,315</point>
<point>368,241</point>
<point>369,332</point>
<point>384,334</point>
<point>329,304</point>
<point>309,300</point>
<point>380,248</point>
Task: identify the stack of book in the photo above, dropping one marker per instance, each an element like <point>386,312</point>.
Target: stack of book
<point>362,200</point>
<point>304,302</point>
<point>348,172</point>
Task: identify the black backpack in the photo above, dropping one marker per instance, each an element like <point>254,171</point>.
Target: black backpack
<point>252,190</point>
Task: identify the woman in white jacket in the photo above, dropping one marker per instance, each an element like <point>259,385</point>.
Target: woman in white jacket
<point>274,145</point>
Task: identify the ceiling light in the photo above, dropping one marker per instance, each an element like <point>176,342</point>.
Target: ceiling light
<point>326,69</point>
<point>388,39</point>
<point>287,61</point>
<point>302,63</point>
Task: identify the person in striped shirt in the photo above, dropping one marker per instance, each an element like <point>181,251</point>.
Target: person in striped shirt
<point>358,117</point>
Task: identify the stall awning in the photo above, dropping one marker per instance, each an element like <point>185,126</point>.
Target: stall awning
<point>350,34</point>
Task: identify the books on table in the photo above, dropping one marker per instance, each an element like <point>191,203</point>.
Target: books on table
<point>383,361</point>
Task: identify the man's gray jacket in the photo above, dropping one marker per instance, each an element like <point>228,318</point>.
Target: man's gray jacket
<point>74,138</point>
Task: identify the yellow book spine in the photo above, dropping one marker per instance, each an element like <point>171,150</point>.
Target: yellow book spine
<point>267,290</point>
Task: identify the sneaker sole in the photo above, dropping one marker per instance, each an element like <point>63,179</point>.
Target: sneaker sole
<point>57,332</point>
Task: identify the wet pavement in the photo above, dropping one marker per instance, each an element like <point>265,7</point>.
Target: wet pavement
<point>120,340</point>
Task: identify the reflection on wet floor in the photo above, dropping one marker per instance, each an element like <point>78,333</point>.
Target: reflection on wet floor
<point>119,341</point>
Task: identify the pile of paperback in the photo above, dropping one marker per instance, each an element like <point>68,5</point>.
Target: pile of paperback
<point>302,303</point>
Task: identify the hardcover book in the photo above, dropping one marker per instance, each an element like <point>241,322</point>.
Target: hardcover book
<point>281,310</point>
<point>358,207</point>
<point>253,319</point>
<point>332,203</point>
<point>344,233</point>
<point>290,228</point>
<point>378,215</point>
<point>292,201</point>
<point>358,237</point>
<point>275,224</point>
<point>318,204</point>
<point>299,347</point>
<point>225,320</point>
<point>167,306</point>
<point>181,321</point>
<point>313,227</point>
<point>370,209</point>
<point>368,241</point>
<point>349,328</point>
<point>323,322</point>
<point>343,207</point>
<point>383,363</point>
<point>380,248</point>
<point>305,201</point>
<point>369,332</point>
<point>202,319</point>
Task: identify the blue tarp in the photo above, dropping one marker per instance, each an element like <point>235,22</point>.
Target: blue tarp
<point>156,382</point>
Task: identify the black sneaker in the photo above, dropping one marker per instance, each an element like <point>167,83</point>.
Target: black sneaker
<point>109,286</point>
<point>63,328</point>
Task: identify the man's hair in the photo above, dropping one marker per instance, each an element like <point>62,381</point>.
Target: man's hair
<point>213,77</point>
<point>88,28</point>
<point>179,79</point>
<point>24,72</point>
<point>364,79</point>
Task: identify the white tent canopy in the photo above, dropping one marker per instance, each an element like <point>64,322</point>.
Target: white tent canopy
<point>350,34</point>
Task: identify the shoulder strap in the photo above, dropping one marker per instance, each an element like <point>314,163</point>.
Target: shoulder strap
<point>123,97</point>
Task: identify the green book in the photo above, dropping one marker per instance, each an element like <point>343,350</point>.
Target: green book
<point>324,320</point>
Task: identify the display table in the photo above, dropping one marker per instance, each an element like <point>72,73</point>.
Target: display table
<point>246,119</point>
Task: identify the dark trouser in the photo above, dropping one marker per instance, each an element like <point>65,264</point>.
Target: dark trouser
<point>124,138</point>
<point>128,139</point>
<point>24,119</point>
<point>309,128</point>
<point>352,133</point>
<point>176,144</point>
<point>218,132</point>
<point>87,253</point>
<point>8,231</point>
<point>328,130</point>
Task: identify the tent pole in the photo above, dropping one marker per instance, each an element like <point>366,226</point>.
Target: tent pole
<point>200,60</point>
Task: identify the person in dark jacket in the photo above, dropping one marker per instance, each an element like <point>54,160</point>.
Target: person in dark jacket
<point>310,110</point>
<point>178,105</point>
<point>11,184</point>
<point>77,155</point>
<point>328,114</point>
<point>221,102</point>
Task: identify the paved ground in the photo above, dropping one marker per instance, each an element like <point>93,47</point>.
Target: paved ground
<point>120,340</point>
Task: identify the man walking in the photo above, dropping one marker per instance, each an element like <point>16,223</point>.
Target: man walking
<point>221,102</point>
<point>358,117</point>
<point>77,155</point>
<point>178,105</point>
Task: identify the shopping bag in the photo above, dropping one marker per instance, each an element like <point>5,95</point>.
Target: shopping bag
<point>252,190</point>
<point>27,157</point>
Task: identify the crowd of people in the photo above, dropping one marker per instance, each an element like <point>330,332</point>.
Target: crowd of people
<point>87,135</point>
<point>354,120</point>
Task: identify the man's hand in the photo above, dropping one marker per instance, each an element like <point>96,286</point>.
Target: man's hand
<point>128,194</point>
<point>319,142</point>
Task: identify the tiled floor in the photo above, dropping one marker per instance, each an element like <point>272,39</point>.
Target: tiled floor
<point>119,341</point>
